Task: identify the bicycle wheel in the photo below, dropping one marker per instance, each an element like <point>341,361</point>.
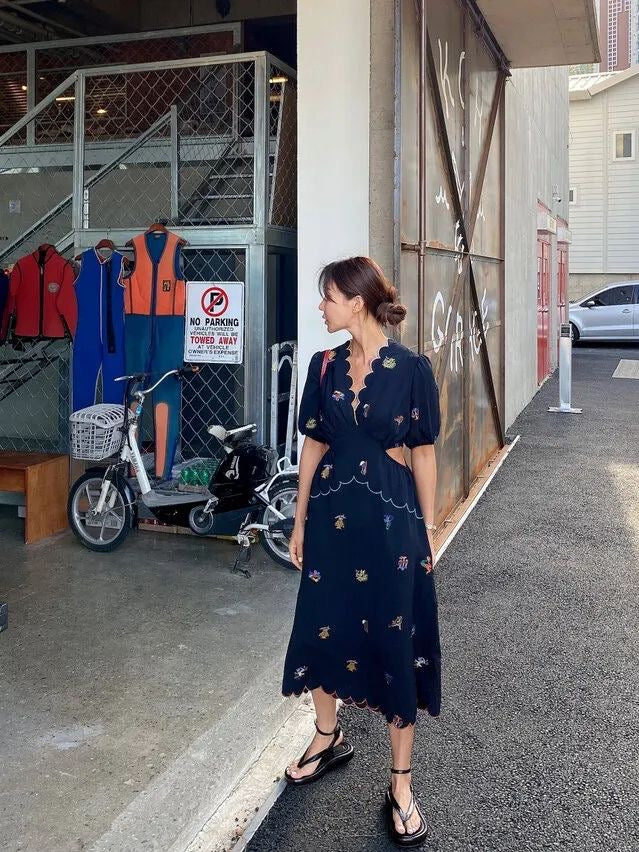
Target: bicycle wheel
<point>104,531</point>
<point>275,541</point>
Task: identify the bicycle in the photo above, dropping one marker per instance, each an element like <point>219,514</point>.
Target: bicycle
<point>102,504</point>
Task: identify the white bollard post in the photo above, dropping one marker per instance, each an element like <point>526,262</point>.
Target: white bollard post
<point>565,373</point>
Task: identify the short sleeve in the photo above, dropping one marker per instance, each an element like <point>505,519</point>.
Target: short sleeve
<point>308,422</point>
<point>424,405</point>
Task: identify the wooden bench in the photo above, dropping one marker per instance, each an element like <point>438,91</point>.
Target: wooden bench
<point>44,480</point>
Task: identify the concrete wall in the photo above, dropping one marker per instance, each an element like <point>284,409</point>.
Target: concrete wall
<point>536,123</point>
<point>333,151</point>
<point>581,284</point>
<point>382,134</point>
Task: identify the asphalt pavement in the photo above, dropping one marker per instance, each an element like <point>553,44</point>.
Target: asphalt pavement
<point>537,745</point>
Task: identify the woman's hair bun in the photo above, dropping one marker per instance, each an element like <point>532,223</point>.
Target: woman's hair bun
<point>390,313</point>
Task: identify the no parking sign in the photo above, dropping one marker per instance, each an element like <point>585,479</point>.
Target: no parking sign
<point>214,329</point>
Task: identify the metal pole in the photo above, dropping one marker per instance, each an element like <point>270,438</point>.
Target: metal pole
<point>31,92</point>
<point>78,153</point>
<point>175,166</point>
<point>565,374</point>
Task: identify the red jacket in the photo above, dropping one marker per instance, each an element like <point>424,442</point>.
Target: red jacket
<point>42,296</point>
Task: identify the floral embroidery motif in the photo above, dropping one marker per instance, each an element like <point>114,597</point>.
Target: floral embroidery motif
<point>402,563</point>
<point>365,408</point>
<point>361,576</point>
<point>397,622</point>
<point>414,413</point>
<point>351,665</point>
<point>340,522</point>
<point>420,662</point>
<point>388,520</point>
<point>311,423</point>
<point>300,672</point>
<point>363,467</point>
<point>321,416</point>
<point>331,354</point>
<point>338,395</point>
<point>365,624</point>
<point>397,721</point>
<point>399,420</point>
<point>326,471</point>
<point>324,632</point>
<point>388,678</point>
<point>389,363</point>
<point>314,576</point>
<point>427,565</point>
<point>412,631</point>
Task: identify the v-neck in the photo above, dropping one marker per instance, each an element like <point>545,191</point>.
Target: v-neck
<point>348,365</point>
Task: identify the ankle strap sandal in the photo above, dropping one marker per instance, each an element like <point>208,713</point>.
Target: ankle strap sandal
<point>405,838</point>
<point>326,759</point>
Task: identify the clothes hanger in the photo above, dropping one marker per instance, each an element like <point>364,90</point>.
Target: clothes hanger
<point>103,244</point>
<point>108,244</point>
<point>157,228</point>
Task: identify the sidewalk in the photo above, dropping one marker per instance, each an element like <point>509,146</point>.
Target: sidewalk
<point>536,745</point>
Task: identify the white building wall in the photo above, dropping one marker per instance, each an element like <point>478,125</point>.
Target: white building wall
<point>604,217</point>
<point>333,43</point>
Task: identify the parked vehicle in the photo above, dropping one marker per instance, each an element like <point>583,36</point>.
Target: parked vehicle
<point>611,313</point>
<point>102,505</point>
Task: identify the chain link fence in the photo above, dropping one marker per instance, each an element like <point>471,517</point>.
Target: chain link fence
<point>173,143</point>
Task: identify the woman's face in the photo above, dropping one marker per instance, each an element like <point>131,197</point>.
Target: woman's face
<point>337,309</point>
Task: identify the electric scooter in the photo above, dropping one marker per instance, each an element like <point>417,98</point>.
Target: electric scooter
<point>102,504</point>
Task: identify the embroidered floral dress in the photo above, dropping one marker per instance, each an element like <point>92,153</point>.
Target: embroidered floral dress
<point>365,626</point>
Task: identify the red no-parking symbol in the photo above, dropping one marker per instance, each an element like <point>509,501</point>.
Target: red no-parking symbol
<point>214,301</point>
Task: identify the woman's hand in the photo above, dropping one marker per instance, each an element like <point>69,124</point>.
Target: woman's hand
<point>296,545</point>
<point>429,535</point>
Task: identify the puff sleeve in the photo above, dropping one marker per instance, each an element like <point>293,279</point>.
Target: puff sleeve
<point>424,405</point>
<point>309,422</point>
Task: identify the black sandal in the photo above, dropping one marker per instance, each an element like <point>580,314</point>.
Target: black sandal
<point>326,759</point>
<point>413,838</point>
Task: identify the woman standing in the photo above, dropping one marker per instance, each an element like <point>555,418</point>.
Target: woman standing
<point>365,627</point>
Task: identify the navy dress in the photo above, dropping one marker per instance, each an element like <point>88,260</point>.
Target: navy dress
<point>365,626</point>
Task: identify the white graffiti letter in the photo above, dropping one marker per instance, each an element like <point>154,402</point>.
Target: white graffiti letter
<point>437,341</point>
<point>441,198</point>
<point>462,56</point>
<point>443,76</point>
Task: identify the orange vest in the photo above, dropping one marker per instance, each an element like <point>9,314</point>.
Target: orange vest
<point>153,289</point>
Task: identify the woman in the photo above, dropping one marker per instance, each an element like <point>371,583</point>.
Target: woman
<point>365,627</point>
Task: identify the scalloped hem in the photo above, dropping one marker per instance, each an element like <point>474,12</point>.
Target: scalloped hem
<point>363,705</point>
<point>379,493</point>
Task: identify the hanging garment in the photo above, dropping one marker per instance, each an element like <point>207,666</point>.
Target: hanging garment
<point>154,304</point>
<point>4,297</point>
<point>98,346</point>
<point>366,624</point>
<point>41,295</point>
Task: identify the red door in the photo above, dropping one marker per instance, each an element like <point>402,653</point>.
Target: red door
<point>543,307</point>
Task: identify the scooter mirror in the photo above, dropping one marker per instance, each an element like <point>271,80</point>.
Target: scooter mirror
<point>217,431</point>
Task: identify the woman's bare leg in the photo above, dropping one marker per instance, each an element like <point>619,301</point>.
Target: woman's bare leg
<point>326,713</point>
<point>402,750</point>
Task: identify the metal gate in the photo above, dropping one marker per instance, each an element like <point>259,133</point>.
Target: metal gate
<point>450,244</point>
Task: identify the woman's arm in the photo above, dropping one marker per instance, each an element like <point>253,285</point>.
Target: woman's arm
<point>312,452</point>
<point>424,467</point>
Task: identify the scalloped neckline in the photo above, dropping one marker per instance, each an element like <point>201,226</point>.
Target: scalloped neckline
<point>376,357</point>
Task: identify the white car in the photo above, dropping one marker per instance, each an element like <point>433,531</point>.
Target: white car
<point>611,313</point>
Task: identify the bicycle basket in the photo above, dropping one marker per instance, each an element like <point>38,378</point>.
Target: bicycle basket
<point>96,431</point>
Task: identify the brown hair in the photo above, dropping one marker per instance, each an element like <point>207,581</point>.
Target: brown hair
<point>361,276</point>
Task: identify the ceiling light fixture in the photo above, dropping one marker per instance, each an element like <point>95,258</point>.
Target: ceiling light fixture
<point>66,98</point>
<point>280,79</point>
<point>101,111</point>
<point>23,87</point>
